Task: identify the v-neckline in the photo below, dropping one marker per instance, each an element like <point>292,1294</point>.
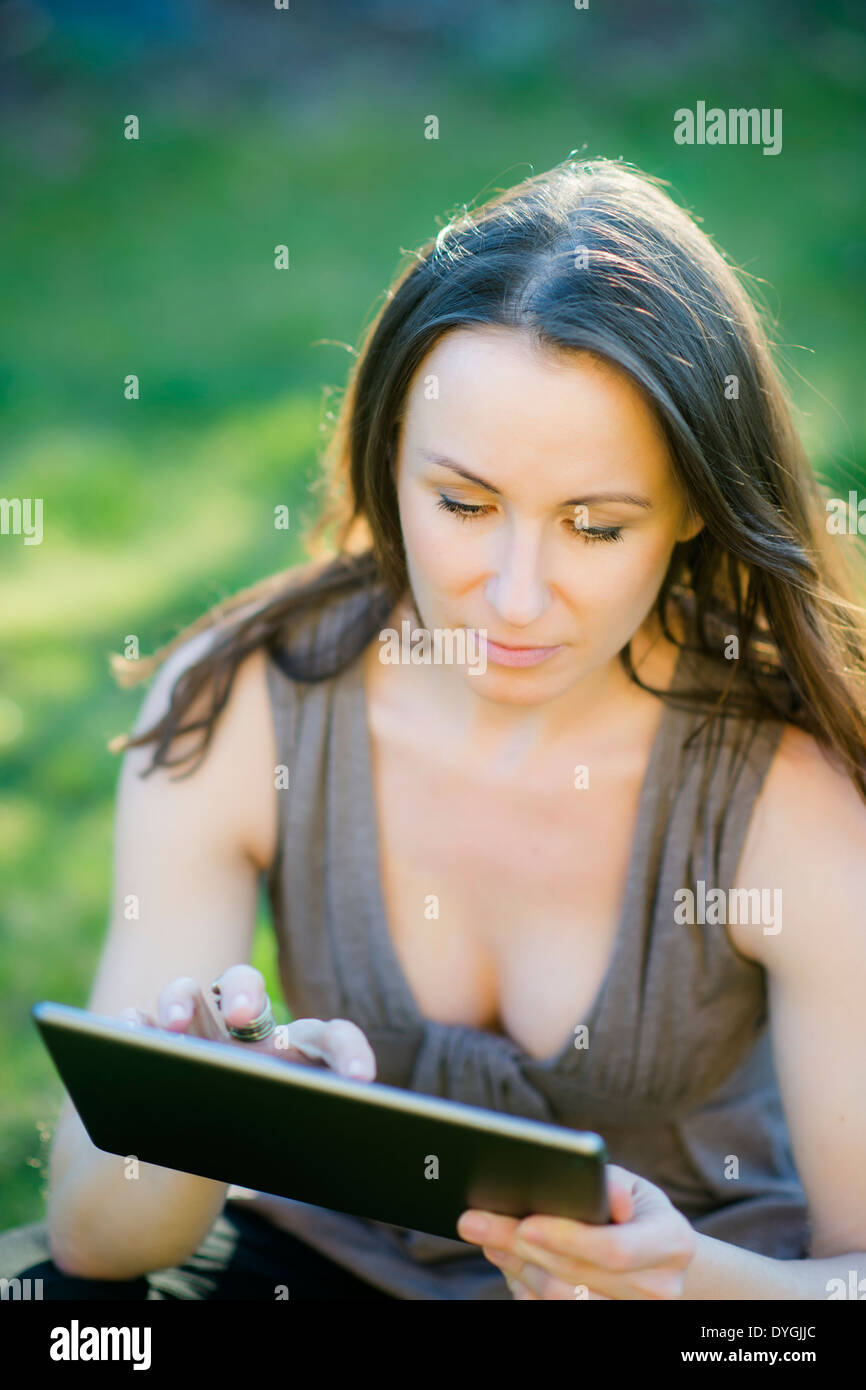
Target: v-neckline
<point>368,829</point>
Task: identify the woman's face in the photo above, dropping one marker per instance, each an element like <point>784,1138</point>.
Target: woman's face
<point>554,445</point>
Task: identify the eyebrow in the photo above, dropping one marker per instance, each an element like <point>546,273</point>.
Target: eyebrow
<point>631,498</point>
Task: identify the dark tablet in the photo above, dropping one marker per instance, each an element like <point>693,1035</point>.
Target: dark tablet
<point>275,1126</point>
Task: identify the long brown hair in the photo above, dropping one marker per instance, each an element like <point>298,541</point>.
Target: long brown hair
<point>591,257</point>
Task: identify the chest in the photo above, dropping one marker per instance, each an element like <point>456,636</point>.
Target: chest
<point>503,894</point>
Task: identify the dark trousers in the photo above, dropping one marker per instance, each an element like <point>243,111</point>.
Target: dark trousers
<point>244,1256</point>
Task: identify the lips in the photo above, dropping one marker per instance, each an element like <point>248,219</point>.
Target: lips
<point>536,647</point>
<point>503,655</point>
<point>524,647</point>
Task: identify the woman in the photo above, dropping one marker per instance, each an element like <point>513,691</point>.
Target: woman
<point>512,870</point>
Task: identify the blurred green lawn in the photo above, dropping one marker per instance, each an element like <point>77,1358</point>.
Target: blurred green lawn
<point>158,259</point>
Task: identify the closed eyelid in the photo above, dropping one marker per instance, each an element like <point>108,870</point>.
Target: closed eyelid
<point>461,493</point>
<point>593,522</point>
<point>463,501</point>
<point>467,510</point>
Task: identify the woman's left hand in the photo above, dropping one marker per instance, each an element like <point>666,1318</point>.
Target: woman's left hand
<point>642,1254</point>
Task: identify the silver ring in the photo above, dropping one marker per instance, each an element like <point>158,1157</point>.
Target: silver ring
<point>258,1028</point>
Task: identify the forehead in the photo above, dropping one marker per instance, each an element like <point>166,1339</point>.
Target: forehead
<point>497,396</point>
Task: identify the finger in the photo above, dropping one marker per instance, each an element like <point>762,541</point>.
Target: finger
<point>504,1260</point>
<point>338,1043</point>
<point>206,1019</point>
<point>536,1283</point>
<point>555,1279</point>
<point>655,1282</point>
<point>528,1282</point>
<point>520,1292</point>
<point>547,1266</point>
<point>636,1244</point>
<point>550,1289</point>
<point>174,1007</point>
<point>242,994</point>
<point>606,1258</point>
<point>487,1228</point>
<point>348,1051</point>
<point>560,1250</point>
<point>621,1189</point>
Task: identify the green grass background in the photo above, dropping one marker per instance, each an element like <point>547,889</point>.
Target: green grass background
<point>156,257</point>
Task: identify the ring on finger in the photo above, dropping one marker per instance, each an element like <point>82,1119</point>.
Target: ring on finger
<point>258,1028</point>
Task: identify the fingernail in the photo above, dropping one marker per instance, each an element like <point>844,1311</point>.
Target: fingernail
<point>356,1067</point>
<point>242,1001</point>
<point>177,1011</point>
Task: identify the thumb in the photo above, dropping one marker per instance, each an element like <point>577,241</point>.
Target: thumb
<point>620,1192</point>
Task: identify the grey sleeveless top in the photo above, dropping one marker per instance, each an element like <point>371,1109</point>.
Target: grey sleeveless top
<point>678,1077</point>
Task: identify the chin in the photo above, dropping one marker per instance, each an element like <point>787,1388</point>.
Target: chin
<point>510,687</point>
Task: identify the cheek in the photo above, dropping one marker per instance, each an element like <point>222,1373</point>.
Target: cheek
<point>439,549</point>
<point>614,581</point>
<point>420,540</point>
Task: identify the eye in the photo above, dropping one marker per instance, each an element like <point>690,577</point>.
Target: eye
<point>589,533</point>
<point>462,509</point>
<point>597,533</point>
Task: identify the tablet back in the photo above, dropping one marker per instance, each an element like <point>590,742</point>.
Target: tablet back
<point>303,1132</point>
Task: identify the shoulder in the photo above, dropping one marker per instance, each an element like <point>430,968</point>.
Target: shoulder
<point>235,778</point>
<point>806,838</point>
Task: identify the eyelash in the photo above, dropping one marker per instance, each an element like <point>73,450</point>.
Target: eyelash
<point>591,533</point>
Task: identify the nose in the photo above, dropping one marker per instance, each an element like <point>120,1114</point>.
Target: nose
<point>517,590</point>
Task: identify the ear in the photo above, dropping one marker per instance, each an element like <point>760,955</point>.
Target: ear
<point>692,524</point>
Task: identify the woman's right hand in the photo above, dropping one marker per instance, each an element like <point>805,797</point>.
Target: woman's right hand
<point>183,1007</point>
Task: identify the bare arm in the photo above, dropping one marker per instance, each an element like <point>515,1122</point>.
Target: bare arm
<point>186,861</point>
<point>811,843</point>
